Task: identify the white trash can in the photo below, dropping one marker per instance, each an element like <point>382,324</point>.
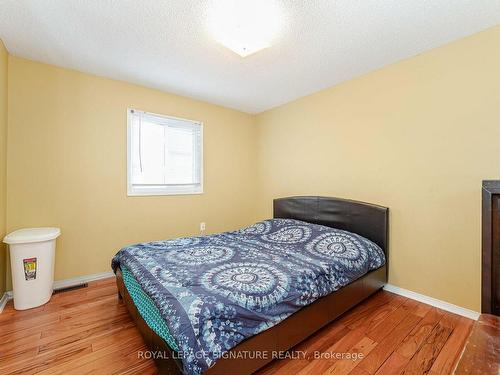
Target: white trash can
<point>32,253</point>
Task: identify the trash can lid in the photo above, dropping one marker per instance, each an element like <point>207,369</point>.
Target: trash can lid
<point>28,235</point>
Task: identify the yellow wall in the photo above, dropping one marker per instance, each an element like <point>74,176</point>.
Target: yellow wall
<point>67,165</point>
<point>418,137</point>
<point>3,153</point>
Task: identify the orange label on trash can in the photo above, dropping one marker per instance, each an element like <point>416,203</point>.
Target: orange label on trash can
<point>29,268</point>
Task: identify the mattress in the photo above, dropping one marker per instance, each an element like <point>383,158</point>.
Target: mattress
<point>215,291</point>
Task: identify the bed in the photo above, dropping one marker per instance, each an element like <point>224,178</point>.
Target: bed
<point>215,319</point>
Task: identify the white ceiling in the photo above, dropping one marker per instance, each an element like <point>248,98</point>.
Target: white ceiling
<point>166,44</point>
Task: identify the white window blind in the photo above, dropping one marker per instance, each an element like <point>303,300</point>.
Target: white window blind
<point>165,155</point>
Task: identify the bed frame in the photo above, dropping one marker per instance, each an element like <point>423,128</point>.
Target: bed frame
<point>370,221</point>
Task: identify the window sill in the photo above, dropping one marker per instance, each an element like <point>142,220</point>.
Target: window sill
<point>159,193</point>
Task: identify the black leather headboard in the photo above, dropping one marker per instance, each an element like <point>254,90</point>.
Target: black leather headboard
<point>368,220</point>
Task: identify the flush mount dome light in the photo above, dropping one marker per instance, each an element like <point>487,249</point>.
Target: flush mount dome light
<point>244,26</point>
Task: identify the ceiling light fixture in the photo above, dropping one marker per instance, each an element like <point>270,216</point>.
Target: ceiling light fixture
<point>245,26</point>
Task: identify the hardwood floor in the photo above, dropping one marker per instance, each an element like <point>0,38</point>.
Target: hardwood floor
<point>394,335</point>
<point>88,331</point>
<point>78,332</point>
<point>482,350</point>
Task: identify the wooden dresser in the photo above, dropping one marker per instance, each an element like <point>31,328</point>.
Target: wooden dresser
<point>490,272</point>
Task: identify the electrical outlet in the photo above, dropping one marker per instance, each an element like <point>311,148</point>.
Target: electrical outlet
<point>202,227</point>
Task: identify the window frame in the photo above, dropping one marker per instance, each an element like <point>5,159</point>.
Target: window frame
<point>189,189</point>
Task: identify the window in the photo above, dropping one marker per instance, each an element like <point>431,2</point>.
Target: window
<point>165,155</point>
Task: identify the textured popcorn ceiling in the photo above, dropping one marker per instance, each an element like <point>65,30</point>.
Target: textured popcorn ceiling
<point>165,44</point>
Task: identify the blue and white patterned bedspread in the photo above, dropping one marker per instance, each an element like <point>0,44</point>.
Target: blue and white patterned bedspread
<point>215,291</point>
